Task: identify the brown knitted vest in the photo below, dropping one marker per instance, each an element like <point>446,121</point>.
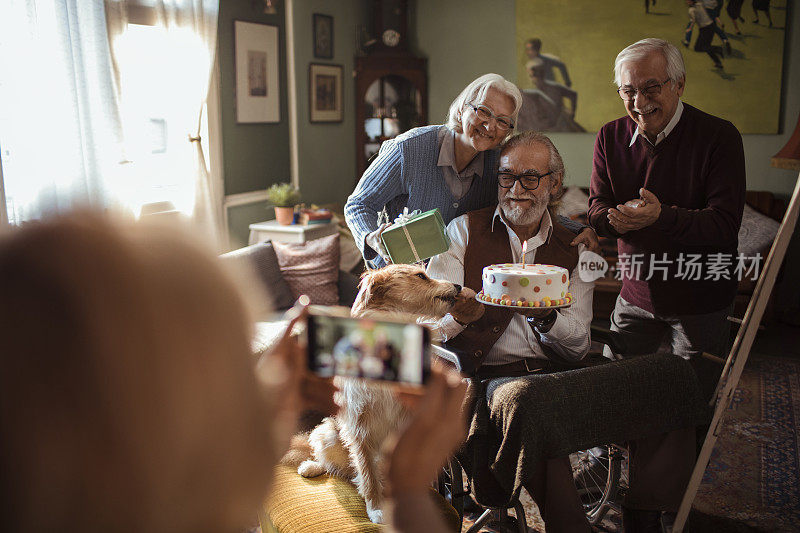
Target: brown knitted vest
<point>487,247</point>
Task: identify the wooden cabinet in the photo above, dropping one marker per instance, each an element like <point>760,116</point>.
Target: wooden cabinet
<point>391,97</point>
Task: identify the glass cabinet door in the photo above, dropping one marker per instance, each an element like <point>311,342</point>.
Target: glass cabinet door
<point>392,105</point>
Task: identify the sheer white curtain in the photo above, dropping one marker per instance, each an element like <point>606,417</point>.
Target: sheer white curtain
<point>163,55</point>
<point>59,125</point>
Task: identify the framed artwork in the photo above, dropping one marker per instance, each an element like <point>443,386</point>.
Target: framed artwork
<point>567,76</point>
<point>325,92</point>
<point>257,75</point>
<point>323,36</point>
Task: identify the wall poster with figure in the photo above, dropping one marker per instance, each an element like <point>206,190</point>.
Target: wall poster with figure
<point>733,58</point>
<point>257,88</point>
<point>325,92</point>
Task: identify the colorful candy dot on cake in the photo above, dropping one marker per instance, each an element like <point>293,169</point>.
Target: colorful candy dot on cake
<point>531,304</point>
<point>524,282</point>
<point>569,295</point>
<point>505,297</point>
<point>536,289</point>
<point>537,304</point>
<point>491,278</point>
<point>562,294</point>
<point>505,284</point>
<point>563,278</point>
<point>549,281</point>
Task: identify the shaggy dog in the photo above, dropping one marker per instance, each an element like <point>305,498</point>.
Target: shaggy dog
<point>349,444</point>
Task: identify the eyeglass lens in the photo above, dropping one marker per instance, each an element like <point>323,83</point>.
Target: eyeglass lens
<point>484,113</point>
<point>528,181</point>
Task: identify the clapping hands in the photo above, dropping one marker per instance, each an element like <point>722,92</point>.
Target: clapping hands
<point>635,214</point>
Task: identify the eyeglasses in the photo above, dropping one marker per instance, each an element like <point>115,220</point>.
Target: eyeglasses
<point>529,182</point>
<point>484,113</point>
<point>654,89</point>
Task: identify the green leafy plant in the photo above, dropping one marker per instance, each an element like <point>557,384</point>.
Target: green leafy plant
<point>283,195</point>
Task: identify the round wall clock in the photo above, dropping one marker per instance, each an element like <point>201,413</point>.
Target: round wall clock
<point>391,37</point>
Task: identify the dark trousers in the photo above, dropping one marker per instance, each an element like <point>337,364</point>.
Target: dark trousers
<point>703,43</point>
<point>659,469</point>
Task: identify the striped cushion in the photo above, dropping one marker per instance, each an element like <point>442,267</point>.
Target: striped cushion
<point>326,504</point>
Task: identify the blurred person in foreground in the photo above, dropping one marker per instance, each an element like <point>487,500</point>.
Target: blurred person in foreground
<point>130,399</point>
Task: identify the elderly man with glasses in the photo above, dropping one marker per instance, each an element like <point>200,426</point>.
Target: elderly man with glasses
<point>501,343</point>
<point>668,181</point>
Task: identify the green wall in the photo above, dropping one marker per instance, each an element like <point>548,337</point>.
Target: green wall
<point>327,163</point>
<point>257,155</point>
<point>461,39</point>
<point>254,155</point>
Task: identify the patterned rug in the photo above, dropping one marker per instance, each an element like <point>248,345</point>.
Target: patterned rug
<point>753,479</point>
<point>754,473</point>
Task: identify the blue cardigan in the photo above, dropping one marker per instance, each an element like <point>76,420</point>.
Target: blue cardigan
<point>406,174</point>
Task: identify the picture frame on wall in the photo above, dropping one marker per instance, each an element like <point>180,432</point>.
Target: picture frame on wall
<point>323,36</point>
<point>257,74</point>
<point>325,92</point>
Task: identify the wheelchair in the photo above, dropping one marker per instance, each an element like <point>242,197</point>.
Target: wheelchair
<point>599,473</point>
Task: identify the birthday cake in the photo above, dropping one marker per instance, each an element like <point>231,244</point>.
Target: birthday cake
<point>525,286</point>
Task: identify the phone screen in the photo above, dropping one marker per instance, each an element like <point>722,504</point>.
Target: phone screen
<point>366,348</point>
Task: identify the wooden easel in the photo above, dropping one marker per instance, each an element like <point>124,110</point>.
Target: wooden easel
<point>740,351</point>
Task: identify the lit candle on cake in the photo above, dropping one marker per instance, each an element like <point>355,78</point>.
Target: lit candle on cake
<point>524,251</point>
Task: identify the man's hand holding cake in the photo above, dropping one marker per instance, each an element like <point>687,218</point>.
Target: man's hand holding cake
<point>467,308</point>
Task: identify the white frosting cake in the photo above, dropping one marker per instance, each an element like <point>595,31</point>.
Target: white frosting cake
<point>532,286</point>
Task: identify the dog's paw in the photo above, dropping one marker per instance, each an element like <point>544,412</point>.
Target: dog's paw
<point>375,515</point>
<point>310,468</point>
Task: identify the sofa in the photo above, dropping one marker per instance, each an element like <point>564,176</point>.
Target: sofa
<point>262,261</point>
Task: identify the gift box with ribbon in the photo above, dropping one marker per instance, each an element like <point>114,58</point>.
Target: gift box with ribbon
<point>415,236</point>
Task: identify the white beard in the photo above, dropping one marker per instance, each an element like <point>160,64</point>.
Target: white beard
<point>520,216</point>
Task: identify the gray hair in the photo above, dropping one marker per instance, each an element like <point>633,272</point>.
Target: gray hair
<point>641,49</point>
<point>476,91</point>
<point>555,163</point>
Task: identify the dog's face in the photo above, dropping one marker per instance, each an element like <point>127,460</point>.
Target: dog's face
<point>404,289</point>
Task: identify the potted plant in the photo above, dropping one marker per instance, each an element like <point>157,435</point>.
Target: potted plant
<point>284,197</point>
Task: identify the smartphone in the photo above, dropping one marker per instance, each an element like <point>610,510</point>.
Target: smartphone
<point>386,350</point>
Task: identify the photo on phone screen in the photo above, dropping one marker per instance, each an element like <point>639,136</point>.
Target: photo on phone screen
<point>366,348</point>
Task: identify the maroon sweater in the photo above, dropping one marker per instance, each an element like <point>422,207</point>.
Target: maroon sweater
<point>698,175</point>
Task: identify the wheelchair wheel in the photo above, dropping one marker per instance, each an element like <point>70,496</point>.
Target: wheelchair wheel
<point>597,474</point>
<point>451,486</point>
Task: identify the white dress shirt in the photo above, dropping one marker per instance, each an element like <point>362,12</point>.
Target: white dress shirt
<point>569,335</point>
<point>667,129</point>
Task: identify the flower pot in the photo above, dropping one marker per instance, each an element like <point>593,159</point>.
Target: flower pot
<point>284,215</point>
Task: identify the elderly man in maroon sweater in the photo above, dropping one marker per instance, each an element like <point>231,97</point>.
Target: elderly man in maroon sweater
<point>668,181</point>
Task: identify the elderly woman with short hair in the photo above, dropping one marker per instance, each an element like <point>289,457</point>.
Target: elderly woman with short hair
<point>452,167</point>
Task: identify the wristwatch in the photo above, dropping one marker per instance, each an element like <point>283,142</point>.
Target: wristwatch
<point>543,324</point>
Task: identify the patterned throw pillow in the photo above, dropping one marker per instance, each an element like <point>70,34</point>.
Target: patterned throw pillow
<point>574,202</point>
<point>311,268</point>
<point>756,232</point>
